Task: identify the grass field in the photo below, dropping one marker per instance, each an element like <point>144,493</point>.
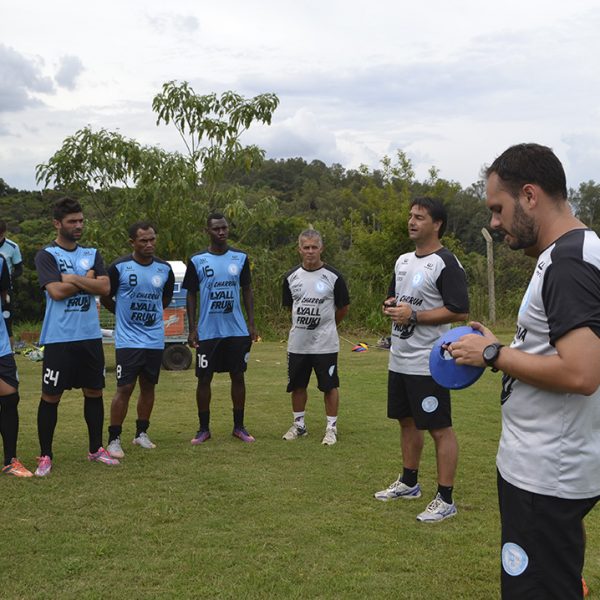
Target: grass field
<point>272,519</point>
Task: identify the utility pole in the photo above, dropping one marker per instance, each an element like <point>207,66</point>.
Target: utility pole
<point>489,244</point>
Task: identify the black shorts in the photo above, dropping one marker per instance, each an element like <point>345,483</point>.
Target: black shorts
<point>223,355</point>
<point>419,397</point>
<point>300,366</point>
<point>543,544</point>
<point>132,362</point>
<point>73,365</point>
<point>8,371</point>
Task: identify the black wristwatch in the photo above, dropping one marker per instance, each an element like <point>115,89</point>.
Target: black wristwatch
<point>490,354</point>
<point>413,318</point>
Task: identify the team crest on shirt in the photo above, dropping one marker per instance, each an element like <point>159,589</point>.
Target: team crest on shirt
<point>514,559</point>
<point>157,281</point>
<point>233,269</point>
<point>320,286</point>
<point>417,279</point>
<point>85,263</point>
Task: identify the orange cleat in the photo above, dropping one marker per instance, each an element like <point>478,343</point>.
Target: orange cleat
<point>586,589</point>
<point>17,469</point>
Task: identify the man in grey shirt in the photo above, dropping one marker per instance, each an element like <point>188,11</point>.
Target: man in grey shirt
<point>549,455</point>
<point>318,297</point>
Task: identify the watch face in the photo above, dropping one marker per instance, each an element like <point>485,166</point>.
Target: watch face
<point>490,352</point>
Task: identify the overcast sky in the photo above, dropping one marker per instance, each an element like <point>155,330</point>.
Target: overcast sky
<point>452,84</point>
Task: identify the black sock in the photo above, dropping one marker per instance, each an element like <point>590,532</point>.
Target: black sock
<point>204,417</point>
<point>410,476</point>
<point>114,431</point>
<point>238,418</point>
<point>93,412</point>
<point>445,491</point>
<point>141,426</point>
<point>9,425</point>
<point>46,421</point>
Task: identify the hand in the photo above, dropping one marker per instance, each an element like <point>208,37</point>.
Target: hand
<point>399,314</point>
<point>253,332</point>
<point>91,274</point>
<point>193,339</point>
<point>468,350</point>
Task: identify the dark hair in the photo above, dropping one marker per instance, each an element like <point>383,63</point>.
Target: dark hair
<point>435,208</point>
<point>530,163</point>
<point>143,225</point>
<point>2,226</point>
<point>214,216</point>
<point>65,206</point>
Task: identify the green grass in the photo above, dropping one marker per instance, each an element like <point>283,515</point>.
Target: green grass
<point>273,519</point>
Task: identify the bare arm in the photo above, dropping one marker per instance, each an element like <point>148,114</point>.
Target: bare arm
<point>340,313</point>
<point>435,316</point>
<point>570,370</point>
<point>109,303</point>
<point>99,286</point>
<point>191,304</point>
<point>248,298</point>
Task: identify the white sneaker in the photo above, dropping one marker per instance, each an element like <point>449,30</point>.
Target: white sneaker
<point>330,437</point>
<point>294,432</point>
<point>143,441</point>
<point>114,448</point>
<point>437,510</point>
<point>399,489</point>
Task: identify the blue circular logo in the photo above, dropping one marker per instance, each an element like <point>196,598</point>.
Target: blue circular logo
<point>417,279</point>
<point>514,559</point>
<point>429,404</point>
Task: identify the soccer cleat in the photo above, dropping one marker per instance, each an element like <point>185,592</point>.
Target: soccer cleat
<point>101,455</point>
<point>586,590</point>
<point>242,434</point>
<point>330,437</point>
<point>202,436</point>
<point>437,510</point>
<point>17,469</point>
<point>399,489</point>
<point>114,448</point>
<point>44,466</point>
<point>294,432</point>
<point>143,441</point>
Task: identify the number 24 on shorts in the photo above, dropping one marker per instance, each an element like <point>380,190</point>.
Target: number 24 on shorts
<point>51,376</point>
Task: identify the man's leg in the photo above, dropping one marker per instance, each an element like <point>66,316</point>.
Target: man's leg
<point>332,403</point>
<point>47,418</point>
<point>118,412</point>
<point>238,398</point>
<point>446,452</point>
<point>144,410</point>
<point>9,420</point>
<point>203,396</point>
<point>93,412</point>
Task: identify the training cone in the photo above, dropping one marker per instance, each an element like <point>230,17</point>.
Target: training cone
<point>443,367</point>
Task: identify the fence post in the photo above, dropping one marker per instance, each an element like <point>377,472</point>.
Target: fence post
<point>489,244</point>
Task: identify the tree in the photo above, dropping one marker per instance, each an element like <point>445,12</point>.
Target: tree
<point>586,202</point>
<point>125,181</point>
<point>211,126</point>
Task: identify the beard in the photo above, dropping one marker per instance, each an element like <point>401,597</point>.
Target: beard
<point>524,231</point>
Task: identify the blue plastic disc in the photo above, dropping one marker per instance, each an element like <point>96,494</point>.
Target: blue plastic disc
<point>443,367</point>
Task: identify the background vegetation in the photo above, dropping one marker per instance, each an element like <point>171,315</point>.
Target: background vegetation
<point>362,212</point>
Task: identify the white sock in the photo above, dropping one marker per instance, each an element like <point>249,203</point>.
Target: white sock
<point>331,422</point>
<point>299,418</point>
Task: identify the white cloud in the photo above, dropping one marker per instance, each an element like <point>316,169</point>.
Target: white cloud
<point>68,72</point>
<point>451,84</point>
